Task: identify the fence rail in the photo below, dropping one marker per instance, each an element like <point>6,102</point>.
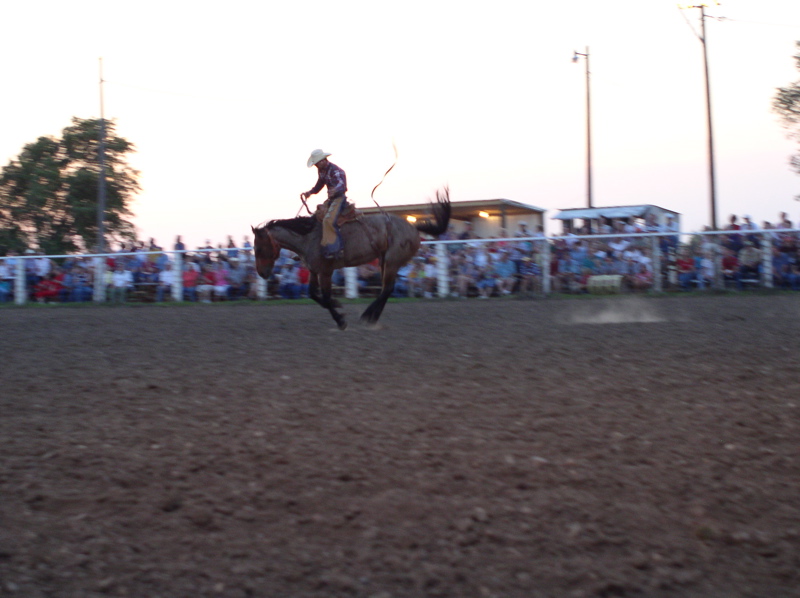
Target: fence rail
<point>662,248</point>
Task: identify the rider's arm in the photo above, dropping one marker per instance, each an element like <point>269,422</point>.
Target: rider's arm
<point>318,187</point>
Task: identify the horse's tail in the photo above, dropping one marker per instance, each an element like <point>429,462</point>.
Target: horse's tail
<point>441,215</point>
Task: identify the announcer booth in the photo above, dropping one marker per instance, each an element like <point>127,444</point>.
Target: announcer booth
<point>594,221</point>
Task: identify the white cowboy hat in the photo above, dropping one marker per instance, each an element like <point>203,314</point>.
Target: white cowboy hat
<point>316,156</point>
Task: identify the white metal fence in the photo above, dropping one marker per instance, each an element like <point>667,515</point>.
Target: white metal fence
<point>541,249</point>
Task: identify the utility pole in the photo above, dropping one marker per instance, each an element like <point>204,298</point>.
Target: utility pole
<point>575,58</point>
<point>711,171</point>
<point>101,186</point>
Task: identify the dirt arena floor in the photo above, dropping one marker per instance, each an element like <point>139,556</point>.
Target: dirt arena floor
<point>582,448</point>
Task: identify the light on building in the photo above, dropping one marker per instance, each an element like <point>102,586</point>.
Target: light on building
<point>483,214</point>
<point>411,219</point>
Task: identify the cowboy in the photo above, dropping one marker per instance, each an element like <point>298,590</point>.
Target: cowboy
<point>334,178</point>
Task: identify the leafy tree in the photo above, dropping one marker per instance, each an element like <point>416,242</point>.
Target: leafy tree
<point>786,104</point>
<point>48,194</point>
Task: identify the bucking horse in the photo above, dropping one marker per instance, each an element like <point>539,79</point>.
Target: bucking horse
<point>388,238</point>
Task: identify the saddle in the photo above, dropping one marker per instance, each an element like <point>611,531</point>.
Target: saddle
<point>349,213</point>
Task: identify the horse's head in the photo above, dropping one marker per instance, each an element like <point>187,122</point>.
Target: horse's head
<point>266,251</point>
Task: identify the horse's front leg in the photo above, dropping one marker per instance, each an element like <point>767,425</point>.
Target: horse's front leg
<point>327,301</point>
<point>314,292</point>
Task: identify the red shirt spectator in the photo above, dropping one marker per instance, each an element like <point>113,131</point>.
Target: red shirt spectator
<point>47,289</point>
<point>190,278</point>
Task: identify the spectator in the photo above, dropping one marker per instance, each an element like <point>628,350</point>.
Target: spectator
<point>303,276</point>
<point>749,225</point>
<point>166,278</point>
<point>781,269</point>
<point>6,281</point>
<point>749,263</point>
<point>401,282</point>
<point>220,278</point>
<point>505,275</point>
<point>121,283</point>
<point>468,232</point>
<point>670,243</point>
<point>148,275</point>
<point>47,290</point>
<point>416,278</point>
<point>237,286</point>
<point>289,287</point>
<point>465,273</point>
<point>705,270</point>
<point>252,278</point>
<point>793,276</point>
<point>530,276</point>
<point>733,241</point>
<point>65,278</point>
<point>205,284</point>
<point>618,246</point>
<point>233,252</point>
<point>642,279</point>
<point>566,277</point>
<point>206,251</point>
<point>486,282</point>
<point>687,272</point>
<point>81,284</point>
<point>369,275</point>
<point>190,275</point>
<point>730,266</point>
<point>431,277</point>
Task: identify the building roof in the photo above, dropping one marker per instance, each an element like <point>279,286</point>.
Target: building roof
<point>463,210</point>
<point>611,212</point>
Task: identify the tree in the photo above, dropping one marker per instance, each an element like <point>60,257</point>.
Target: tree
<point>48,194</point>
<point>786,104</point>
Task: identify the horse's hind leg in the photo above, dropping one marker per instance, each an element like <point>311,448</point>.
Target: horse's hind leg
<point>375,309</point>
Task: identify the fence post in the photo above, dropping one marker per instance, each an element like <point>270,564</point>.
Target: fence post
<point>20,291</point>
<point>177,277</point>
<point>766,261</point>
<point>545,257</point>
<point>261,289</point>
<point>351,283</point>
<point>99,291</point>
<point>443,270</point>
<point>719,277</point>
<point>658,282</point>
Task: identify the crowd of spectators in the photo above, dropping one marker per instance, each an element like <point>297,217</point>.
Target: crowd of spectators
<point>480,268</point>
<point>137,272</point>
<point>514,264</point>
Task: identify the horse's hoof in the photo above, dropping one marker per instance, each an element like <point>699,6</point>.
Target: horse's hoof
<point>342,325</point>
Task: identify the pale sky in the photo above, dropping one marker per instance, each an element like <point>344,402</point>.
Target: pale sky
<point>225,101</point>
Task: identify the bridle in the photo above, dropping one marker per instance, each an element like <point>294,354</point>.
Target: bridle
<point>276,248</point>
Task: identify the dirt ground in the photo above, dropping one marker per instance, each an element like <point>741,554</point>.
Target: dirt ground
<point>600,447</point>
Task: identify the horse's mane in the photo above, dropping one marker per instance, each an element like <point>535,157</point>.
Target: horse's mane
<point>301,225</point>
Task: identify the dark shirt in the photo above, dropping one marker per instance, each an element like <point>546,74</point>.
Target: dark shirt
<point>334,178</point>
